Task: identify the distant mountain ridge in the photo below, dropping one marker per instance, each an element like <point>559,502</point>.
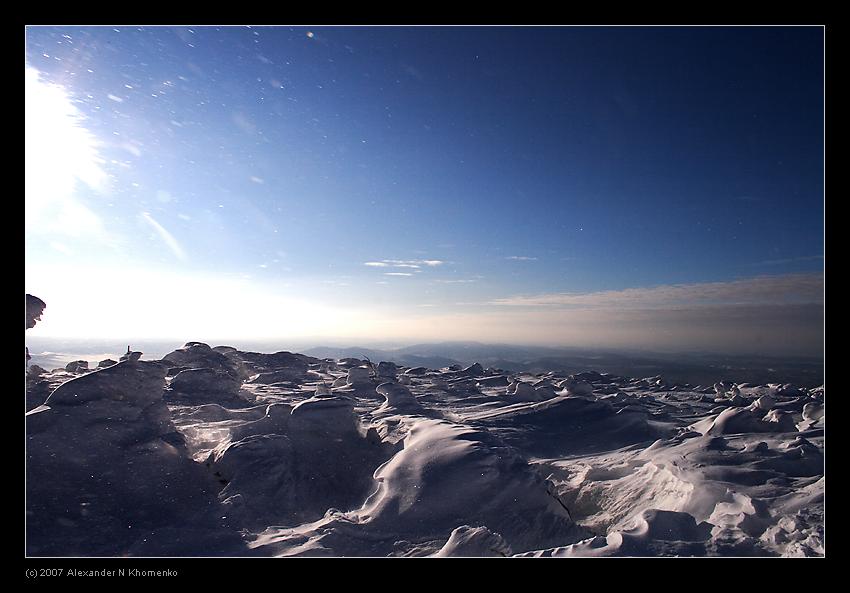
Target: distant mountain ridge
<point>693,368</point>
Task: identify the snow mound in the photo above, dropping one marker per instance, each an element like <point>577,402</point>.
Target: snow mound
<point>522,391</point>
<point>206,385</point>
<point>652,533</point>
<point>448,475</point>
<point>106,469</point>
<point>358,376</point>
<point>466,541</point>
<point>387,370</point>
<point>298,463</point>
<point>743,420</point>
<point>576,387</point>
<point>197,355</point>
<point>399,399</point>
<point>567,424</point>
<point>473,370</point>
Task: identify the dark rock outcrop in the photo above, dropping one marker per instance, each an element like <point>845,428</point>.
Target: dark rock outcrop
<point>77,366</point>
<point>34,309</point>
<point>130,356</point>
<point>474,370</point>
<point>387,369</point>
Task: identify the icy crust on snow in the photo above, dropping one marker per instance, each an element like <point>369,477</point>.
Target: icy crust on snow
<point>214,451</point>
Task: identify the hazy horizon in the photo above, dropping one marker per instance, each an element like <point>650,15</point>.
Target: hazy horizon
<point>164,345</point>
<point>592,187</point>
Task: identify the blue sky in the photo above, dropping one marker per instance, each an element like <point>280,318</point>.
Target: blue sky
<point>425,182</point>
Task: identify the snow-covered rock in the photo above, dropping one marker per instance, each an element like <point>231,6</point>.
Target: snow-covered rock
<point>813,411</point>
<point>106,469</point>
<point>77,366</point>
<point>576,387</point>
<point>387,370</point>
<point>206,385</point>
<point>473,370</point>
<point>359,376</point>
<point>197,355</point>
<point>316,460</point>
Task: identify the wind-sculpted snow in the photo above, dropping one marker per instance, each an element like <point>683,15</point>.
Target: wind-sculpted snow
<point>300,463</point>
<point>214,451</point>
<point>475,542</point>
<point>197,355</point>
<point>449,473</point>
<point>206,385</point>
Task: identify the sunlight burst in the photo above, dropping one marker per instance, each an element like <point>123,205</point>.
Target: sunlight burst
<point>59,153</point>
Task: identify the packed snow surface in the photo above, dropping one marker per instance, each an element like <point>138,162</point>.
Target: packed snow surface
<point>218,452</point>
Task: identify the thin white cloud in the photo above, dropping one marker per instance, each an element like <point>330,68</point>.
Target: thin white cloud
<point>786,289</point>
<point>243,122</point>
<point>521,258</point>
<point>791,260</point>
<point>166,237</point>
<point>404,263</point>
<point>397,274</point>
<point>132,149</point>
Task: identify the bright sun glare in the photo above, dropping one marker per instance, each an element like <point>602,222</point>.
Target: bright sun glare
<point>59,153</point>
